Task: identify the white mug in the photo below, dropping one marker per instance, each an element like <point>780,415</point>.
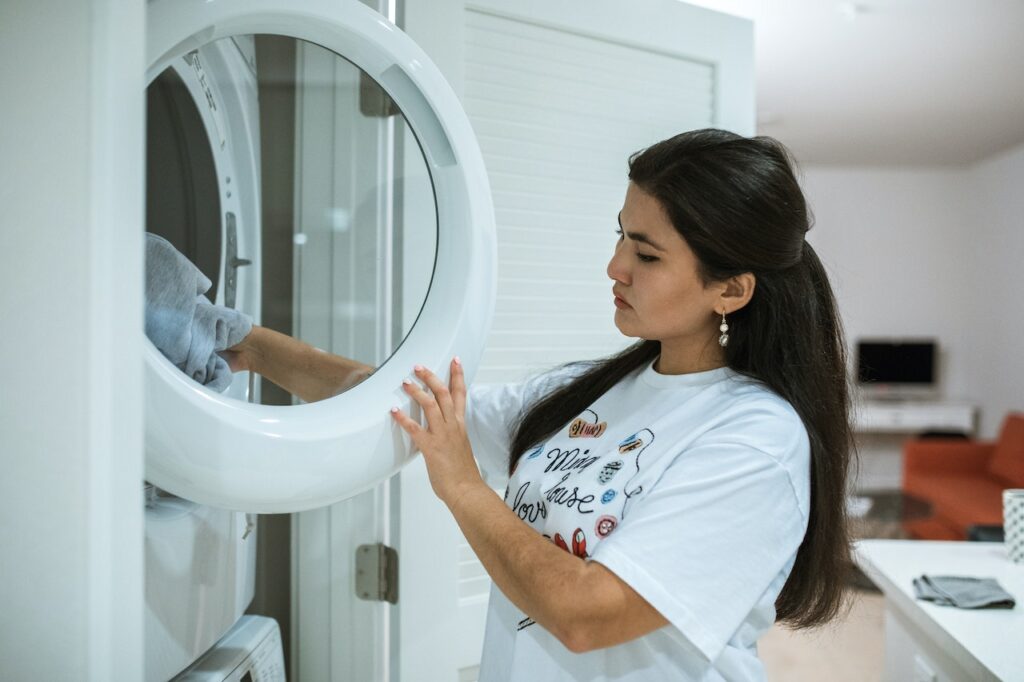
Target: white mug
<point>1013,524</point>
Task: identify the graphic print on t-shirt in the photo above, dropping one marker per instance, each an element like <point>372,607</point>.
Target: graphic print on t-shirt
<point>526,510</point>
<point>568,489</point>
<point>579,543</point>
<point>568,463</point>
<point>605,525</point>
<point>581,428</point>
<point>609,470</point>
<point>637,443</point>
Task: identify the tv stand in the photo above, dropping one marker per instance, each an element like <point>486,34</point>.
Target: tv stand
<point>913,416</point>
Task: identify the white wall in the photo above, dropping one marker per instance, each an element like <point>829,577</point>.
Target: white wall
<point>930,252</point>
<point>994,225</point>
<point>894,242</point>
<point>70,355</point>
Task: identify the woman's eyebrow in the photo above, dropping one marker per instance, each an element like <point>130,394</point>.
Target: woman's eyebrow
<point>637,236</point>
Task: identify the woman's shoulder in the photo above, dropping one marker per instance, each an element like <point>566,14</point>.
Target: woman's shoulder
<point>750,412</point>
<point>749,393</point>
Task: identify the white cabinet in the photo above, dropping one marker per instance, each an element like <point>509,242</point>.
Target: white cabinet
<point>914,416</point>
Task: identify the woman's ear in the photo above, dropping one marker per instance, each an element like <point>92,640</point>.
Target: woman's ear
<point>738,292</point>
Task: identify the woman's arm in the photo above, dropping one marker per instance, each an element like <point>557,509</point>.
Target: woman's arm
<point>583,604</point>
<point>296,366</point>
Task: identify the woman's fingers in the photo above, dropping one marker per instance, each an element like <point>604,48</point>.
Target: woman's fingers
<point>442,396</point>
<point>445,403</point>
<point>458,387</point>
<point>408,424</point>
<point>427,402</point>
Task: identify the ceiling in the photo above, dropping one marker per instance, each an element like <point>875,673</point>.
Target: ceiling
<point>888,82</point>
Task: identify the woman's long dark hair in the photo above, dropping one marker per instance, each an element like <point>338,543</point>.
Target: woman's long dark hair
<point>737,203</point>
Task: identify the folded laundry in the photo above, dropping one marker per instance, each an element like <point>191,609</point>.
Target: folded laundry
<point>963,592</point>
<point>182,323</point>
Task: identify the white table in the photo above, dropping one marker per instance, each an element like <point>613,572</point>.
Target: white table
<point>925,642</point>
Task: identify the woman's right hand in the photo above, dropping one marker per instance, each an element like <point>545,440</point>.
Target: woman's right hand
<point>297,367</point>
<point>242,356</point>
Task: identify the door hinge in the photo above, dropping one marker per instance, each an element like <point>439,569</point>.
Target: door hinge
<point>377,573</point>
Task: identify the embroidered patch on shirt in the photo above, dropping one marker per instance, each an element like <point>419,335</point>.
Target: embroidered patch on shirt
<point>581,428</point>
<point>605,525</point>
<point>608,471</point>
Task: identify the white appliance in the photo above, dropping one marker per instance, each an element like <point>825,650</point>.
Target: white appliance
<point>249,652</point>
<point>214,460</point>
<point>203,194</point>
<point>200,571</point>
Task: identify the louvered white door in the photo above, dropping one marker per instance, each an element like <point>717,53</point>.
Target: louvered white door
<point>559,95</point>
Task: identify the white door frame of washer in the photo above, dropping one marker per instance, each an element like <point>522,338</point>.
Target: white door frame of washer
<point>223,452</point>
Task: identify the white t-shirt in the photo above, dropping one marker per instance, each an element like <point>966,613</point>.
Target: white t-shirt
<point>694,489</point>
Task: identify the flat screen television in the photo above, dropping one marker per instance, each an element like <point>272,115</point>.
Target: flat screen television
<point>897,368</point>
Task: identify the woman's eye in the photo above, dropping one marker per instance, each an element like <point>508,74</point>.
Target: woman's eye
<point>643,258</point>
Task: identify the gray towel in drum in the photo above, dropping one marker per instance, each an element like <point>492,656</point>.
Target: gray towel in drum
<point>182,323</point>
<point>963,592</point>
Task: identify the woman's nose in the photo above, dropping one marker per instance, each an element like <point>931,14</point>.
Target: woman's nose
<point>617,268</point>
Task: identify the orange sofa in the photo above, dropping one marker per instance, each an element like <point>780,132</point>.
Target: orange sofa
<point>963,480</point>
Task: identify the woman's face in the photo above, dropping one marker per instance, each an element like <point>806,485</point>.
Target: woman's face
<point>655,274</point>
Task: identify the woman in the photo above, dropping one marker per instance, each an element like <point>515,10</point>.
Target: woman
<point>669,503</point>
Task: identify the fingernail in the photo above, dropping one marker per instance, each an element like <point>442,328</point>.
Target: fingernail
<point>418,368</point>
<point>457,360</point>
<point>406,381</point>
<point>394,410</point>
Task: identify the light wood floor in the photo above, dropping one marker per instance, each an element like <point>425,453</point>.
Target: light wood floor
<point>847,650</point>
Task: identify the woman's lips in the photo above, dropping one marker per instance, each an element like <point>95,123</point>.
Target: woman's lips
<point>619,303</point>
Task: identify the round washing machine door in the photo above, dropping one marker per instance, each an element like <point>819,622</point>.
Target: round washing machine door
<point>326,180</point>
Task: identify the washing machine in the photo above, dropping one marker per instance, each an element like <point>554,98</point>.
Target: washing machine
<point>312,161</point>
<point>203,195</point>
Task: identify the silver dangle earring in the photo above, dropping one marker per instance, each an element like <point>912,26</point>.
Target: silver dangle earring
<point>723,340</point>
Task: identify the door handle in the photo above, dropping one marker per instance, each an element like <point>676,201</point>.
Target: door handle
<point>232,260</point>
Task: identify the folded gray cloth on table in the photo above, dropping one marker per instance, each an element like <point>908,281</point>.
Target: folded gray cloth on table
<point>182,323</point>
<point>963,592</point>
